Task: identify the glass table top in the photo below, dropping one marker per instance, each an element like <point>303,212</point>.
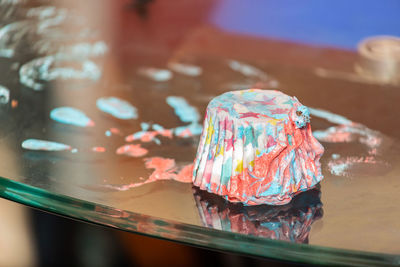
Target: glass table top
<point>89,130</point>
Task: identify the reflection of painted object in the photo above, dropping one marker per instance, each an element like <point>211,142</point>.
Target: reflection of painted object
<point>73,116</point>
<point>4,95</point>
<point>158,75</point>
<point>116,107</point>
<point>257,148</point>
<point>291,222</point>
<point>33,73</point>
<point>36,144</point>
<point>132,150</point>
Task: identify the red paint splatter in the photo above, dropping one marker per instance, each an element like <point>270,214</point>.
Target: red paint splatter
<point>132,150</point>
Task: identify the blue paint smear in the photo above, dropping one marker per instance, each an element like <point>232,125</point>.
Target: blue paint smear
<point>36,144</point>
<point>157,127</point>
<point>329,116</point>
<point>194,128</point>
<point>4,95</point>
<point>69,115</point>
<point>183,110</point>
<point>145,126</point>
<point>116,107</point>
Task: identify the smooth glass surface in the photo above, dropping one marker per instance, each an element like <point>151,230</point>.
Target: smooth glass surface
<point>69,55</point>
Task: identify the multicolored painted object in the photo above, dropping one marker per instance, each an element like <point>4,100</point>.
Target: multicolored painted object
<point>257,148</point>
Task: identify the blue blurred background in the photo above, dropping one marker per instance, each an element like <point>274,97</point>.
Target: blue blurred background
<point>339,23</point>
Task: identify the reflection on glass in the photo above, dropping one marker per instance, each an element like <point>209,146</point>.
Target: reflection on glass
<point>291,222</point>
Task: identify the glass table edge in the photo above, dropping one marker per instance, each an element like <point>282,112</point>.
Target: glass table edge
<point>186,233</point>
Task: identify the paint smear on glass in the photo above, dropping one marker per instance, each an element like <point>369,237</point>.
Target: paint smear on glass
<point>4,95</point>
<point>11,36</point>
<point>33,73</point>
<point>346,166</point>
<point>99,149</point>
<point>14,103</point>
<point>348,131</point>
<point>117,107</point>
<point>72,116</point>
<point>112,131</point>
<point>37,144</point>
<point>132,150</point>
<point>146,135</point>
<point>183,110</point>
<point>329,116</point>
<point>189,130</point>
<point>164,169</point>
<point>247,70</point>
<point>185,69</point>
<point>158,75</point>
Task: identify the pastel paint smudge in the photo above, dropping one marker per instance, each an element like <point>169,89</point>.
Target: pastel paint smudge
<point>189,130</point>
<point>72,116</point>
<point>185,69</point>
<point>11,35</point>
<point>14,103</point>
<point>347,131</point>
<point>329,116</point>
<point>95,49</point>
<point>164,169</point>
<point>37,144</point>
<point>112,131</point>
<point>183,110</point>
<point>158,75</point>
<point>99,149</point>
<point>132,150</point>
<point>117,107</point>
<point>4,95</point>
<point>149,136</point>
<point>342,167</point>
<point>247,70</point>
<point>33,73</point>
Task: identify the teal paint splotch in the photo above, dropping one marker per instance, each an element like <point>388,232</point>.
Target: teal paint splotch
<point>72,116</point>
<point>117,107</point>
<point>183,110</point>
<point>37,144</point>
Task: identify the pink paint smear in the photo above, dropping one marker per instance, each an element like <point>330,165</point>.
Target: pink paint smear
<point>132,150</point>
<point>164,169</point>
<point>99,149</point>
